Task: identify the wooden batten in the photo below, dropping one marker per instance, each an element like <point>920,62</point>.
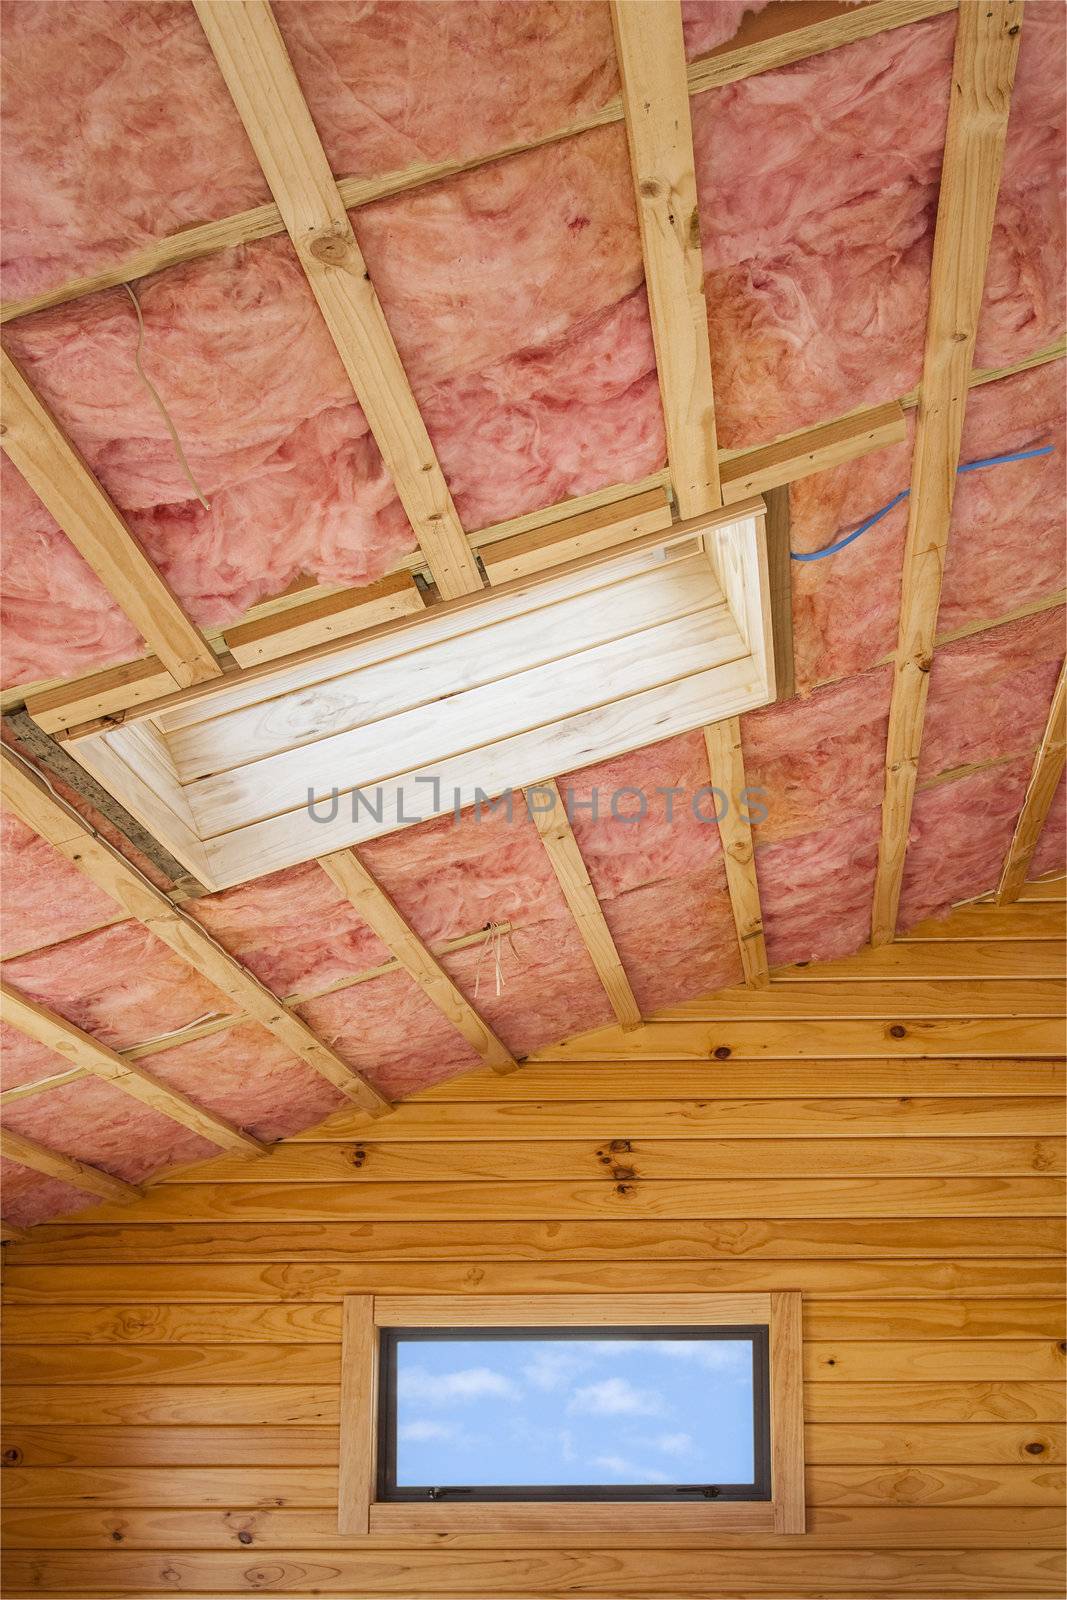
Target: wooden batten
<point>34,803</point>
<point>726,765</point>
<point>655,94</point>
<point>799,455</point>
<point>259,75</point>
<point>987,49</point>
<point>347,872</point>
<point>550,816</point>
<point>59,477</point>
<point>78,1174</point>
<point>327,617</point>
<point>1048,769</point>
<point>606,527</point>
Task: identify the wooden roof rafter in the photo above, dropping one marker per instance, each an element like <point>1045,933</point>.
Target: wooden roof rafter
<point>39,808</point>
<point>347,872</point>
<point>726,765</point>
<point>983,73</point>
<point>1048,769</point>
<point>253,60</point>
<point>82,1050</point>
<point>77,1174</point>
<point>57,474</point>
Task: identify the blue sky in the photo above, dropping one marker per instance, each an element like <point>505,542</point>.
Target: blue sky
<point>570,1411</point>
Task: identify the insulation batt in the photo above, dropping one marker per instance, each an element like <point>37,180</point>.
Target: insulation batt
<point>676,939</point>
<point>959,836</point>
<point>821,762</point>
<point>514,295</point>
<point>23,1060</point>
<point>1051,852</point>
<point>43,897</point>
<point>30,1197</point>
<point>97,1123</point>
<point>245,1075</point>
<point>119,983</point>
<point>990,694</point>
<point>1006,545</point>
<point>815,891</point>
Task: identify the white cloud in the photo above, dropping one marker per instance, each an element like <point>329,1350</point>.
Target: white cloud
<point>671,1444</point>
<point>615,1397</point>
<point>630,1470</point>
<point>455,1388</point>
<point>422,1429</point>
<point>553,1369</point>
<point>714,1355</point>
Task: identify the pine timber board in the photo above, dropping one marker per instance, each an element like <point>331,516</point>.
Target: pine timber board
<point>173,1374</point>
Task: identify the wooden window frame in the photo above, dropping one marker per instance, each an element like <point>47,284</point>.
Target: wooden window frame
<point>360,1512</point>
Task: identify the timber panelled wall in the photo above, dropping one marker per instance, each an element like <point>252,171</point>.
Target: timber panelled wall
<point>882,1134</point>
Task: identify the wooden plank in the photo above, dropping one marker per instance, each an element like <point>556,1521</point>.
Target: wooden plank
<point>846,999</point>
<point>909,960</point>
<point>851,1039</point>
<point>331,616</point>
<point>10,1234</point>
<point>557,836</point>
<point>1026,920</point>
<point>80,1048</point>
<point>33,802</point>
<point>677,1199</point>
<point>626,1159</point>
<point>78,1174</point>
<point>1048,768</point>
<point>987,47</point>
<point>602,528</point>
<point>544,1572</point>
<point>542,1271</point>
<point>726,767</point>
<point>358,1246</point>
<point>829,1527</point>
<point>100,694</point>
<point>253,60</point>
<point>936,1443</point>
<point>787,1413</point>
<point>748,472</point>
<point>565,1311</point>
<point>358,1455</point>
<point>58,475</point>
<point>661,1240</point>
<point>780,574</point>
<point>655,95</point>
<point>347,872</point>
<point>905,1361</point>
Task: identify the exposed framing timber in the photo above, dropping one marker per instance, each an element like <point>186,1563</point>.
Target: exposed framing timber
<point>1048,768</point>
<point>557,836</point>
<point>333,616</point>
<point>28,1153</point>
<point>726,764</point>
<point>799,455</point>
<point>10,1234</point>
<point>55,471</point>
<point>82,1050</point>
<point>261,222</point>
<point>606,527</point>
<point>347,872</point>
<point>252,57</point>
<point>983,72</point>
<point>780,577</point>
<point>655,95</point>
<point>31,800</point>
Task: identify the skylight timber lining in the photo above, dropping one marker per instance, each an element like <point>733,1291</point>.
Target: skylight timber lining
<point>484,694</point>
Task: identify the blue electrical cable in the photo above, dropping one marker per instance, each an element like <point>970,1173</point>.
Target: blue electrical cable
<point>967,466</point>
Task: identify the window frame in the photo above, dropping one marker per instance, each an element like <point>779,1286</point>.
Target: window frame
<point>361,1511</point>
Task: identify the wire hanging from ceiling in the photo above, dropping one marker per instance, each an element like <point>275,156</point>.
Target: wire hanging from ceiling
<point>883,511</point>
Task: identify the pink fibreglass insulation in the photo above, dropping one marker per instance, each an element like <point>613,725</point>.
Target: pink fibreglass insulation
<point>245,1075</point>
<point>43,897</point>
<point>959,836</point>
<point>97,1123</point>
<point>676,938</point>
<point>119,983</point>
<point>1051,852</point>
<point>822,761</point>
<point>816,889</point>
<point>30,1197</point>
<point>23,1060</point>
<point>389,1031</point>
<point>990,694</point>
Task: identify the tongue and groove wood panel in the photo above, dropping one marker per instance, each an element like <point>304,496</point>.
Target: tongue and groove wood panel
<point>172,1397</point>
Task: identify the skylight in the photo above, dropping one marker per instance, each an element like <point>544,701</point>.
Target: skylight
<point>574,1414</point>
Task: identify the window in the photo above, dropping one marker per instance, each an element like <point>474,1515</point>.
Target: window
<point>573,1414</point>
<point>545,1412</point>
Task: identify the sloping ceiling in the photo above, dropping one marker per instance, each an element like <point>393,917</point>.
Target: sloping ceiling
<point>515,295</point>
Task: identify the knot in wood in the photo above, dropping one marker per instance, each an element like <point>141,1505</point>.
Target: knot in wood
<point>898,1031</point>
<point>722,1052</point>
<point>1035,1448</point>
<point>331,249</point>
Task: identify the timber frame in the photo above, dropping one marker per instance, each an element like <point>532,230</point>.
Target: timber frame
<point>699,478</point>
<point>360,1512</point>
